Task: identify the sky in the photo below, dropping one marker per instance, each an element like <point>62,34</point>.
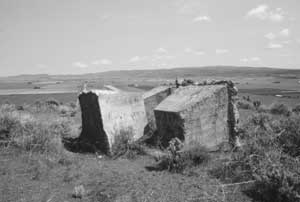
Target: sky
<point>86,36</point>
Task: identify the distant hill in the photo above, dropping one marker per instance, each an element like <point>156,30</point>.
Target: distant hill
<point>207,71</point>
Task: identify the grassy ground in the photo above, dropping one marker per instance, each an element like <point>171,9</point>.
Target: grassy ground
<point>34,174</point>
<point>51,174</point>
<point>26,177</point>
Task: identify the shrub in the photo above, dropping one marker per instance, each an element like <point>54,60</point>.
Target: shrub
<point>289,136</point>
<point>296,109</point>
<point>64,110</point>
<point>7,108</point>
<point>256,104</point>
<point>177,161</point>
<point>268,156</point>
<point>244,104</point>
<point>277,178</point>
<point>73,105</point>
<point>125,146</point>
<point>28,133</point>
<point>279,109</point>
<point>52,101</point>
<point>263,109</point>
<point>7,124</point>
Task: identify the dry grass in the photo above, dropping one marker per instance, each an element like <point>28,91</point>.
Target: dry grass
<point>40,169</point>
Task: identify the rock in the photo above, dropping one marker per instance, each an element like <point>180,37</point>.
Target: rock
<point>78,192</point>
<point>124,198</point>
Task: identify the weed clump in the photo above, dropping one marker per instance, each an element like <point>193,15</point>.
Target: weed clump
<point>178,158</point>
<point>124,146</point>
<point>244,104</point>
<point>279,109</point>
<point>23,130</point>
<point>269,157</point>
<point>52,101</point>
<point>296,109</point>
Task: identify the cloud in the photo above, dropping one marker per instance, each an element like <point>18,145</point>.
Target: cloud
<point>102,62</point>
<point>137,58</point>
<point>251,59</point>
<point>162,57</point>
<point>161,50</point>
<point>199,52</point>
<point>222,51</point>
<point>106,62</point>
<point>284,33</point>
<point>286,42</point>
<point>41,66</point>
<point>275,46</point>
<point>188,7</point>
<point>202,19</point>
<point>264,12</point>
<point>189,50</point>
<point>80,65</point>
<point>270,36</point>
<point>244,60</point>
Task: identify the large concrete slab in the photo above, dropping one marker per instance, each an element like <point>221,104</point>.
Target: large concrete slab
<point>106,114</point>
<point>152,99</point>
<point>196,115</point>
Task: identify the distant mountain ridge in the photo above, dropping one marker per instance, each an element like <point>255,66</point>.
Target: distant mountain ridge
<point>227,71</point>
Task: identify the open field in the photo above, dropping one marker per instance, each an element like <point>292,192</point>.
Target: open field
<point>266,84</point>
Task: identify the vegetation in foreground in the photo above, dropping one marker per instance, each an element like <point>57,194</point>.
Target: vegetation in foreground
<point>34,165</point>
<point>269,157</point>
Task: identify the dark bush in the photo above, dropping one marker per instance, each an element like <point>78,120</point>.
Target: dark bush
<point>279,109</point>
<point>277,178</point>
<point>269,156</point>
<point>289,136</point>
<point>296,109</point>
<point>24,131</point>
<point>52,101</point>
<point>124,146</point>
<point>256,104</point>
<point>178,161</point>
<point>243,104</point>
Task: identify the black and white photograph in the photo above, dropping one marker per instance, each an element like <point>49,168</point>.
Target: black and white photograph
<point>149,101</point>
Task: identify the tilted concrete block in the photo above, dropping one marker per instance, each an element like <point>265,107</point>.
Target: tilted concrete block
<point>152,99</point>
<point>105,114</point>
<point>197,115</point>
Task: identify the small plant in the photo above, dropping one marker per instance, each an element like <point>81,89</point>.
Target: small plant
<point>244,104</point>
<point>289,136</point>
<point>256,104</point>
<point>178,160</point>
<point>269,157</point>
<point>279,109</point>
<point>277,178</point>
<point>296,109</point>
<point>125,146</point>
<point>22,130</point>
<point>52,101</point>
